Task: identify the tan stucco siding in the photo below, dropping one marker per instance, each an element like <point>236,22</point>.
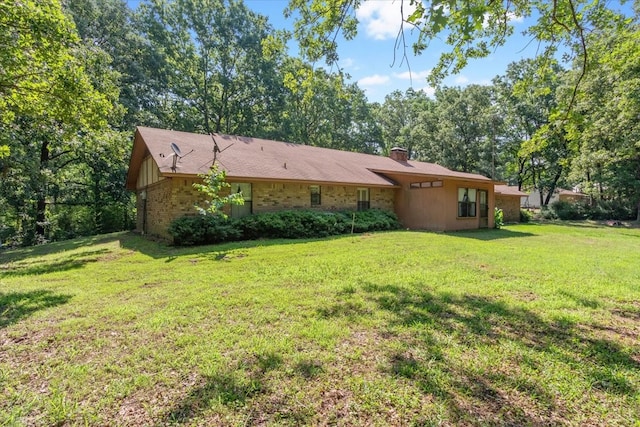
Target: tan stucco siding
<point>436,208</point>
<point>510,206</point>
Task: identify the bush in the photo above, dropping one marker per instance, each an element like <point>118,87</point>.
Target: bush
<point>300,224</point>
<point>498,218</point>
<point>291,224</point>
<point>372,220</point>
<point>547,213</point>
<point>569,211</point>
<point>203,229</point>
<point>612,209</point>
<point>525,215</point>
<point>297,224</point>
<point>602,210</point>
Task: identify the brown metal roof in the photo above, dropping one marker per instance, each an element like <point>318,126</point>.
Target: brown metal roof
<point>260,159</point>
<point>508,190</point>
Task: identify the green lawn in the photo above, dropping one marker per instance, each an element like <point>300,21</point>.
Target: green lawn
<point>528,325</point>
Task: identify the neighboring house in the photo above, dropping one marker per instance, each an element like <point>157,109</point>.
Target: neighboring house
<point>532,200</point>
<point>276,175</point>
<point>508,199</point>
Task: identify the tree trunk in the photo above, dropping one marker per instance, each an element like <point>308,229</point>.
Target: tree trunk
<point>553,186</point>
<point>41,201</point>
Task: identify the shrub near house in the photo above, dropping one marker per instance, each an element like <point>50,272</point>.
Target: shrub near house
<point>298,224</point>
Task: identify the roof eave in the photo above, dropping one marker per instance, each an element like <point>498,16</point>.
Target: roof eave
<point>284,180</point>
<point>439,176</point>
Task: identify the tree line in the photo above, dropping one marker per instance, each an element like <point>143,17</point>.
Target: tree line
<point>79,75</point>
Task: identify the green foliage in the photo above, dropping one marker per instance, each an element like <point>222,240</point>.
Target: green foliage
<point>214,184</point>
<point>525,216</point>
<point>56,93</point>
<point>324,110</point>
<point>471,29</point>
<point>216,77</point>
<point>498,217</point>
<point>408,120</point>
<point>601,210</point>
<point>294,224</point>
<point>299,224</point>
<point>203,229</point>
<point>547,213</point>
<point>372,220</point>
<point>290,224</point>
<point>605,130</point>
<point>613,209</point>
<point>568,210</point>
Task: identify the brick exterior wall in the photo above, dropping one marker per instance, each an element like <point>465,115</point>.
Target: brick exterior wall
<point>166,200</point>
<point>172,198</point>
<point>277,196</point>
<point>510,206</point>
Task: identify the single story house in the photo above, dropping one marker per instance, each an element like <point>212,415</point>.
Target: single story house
<point>508,199</point>
<point>532,199</point>
<point>275,175</point>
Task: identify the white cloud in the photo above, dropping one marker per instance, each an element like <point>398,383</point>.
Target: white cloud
<point>413,75</point>
<point>374,80</point>
<point>461,80</point>
<point>382,18</point>
<point>511,17</point>
<point>430,91</point>
<point>347,63</point>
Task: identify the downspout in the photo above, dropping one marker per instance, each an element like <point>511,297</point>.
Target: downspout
<point>143,194</point>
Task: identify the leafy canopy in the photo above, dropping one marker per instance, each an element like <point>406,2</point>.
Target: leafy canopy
<point>470,28</point>
<point>214,184</point>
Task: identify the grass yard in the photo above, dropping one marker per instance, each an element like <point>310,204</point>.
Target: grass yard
<point>529,325</point>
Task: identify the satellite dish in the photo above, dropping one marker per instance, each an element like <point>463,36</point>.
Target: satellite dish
<point>176,149</point>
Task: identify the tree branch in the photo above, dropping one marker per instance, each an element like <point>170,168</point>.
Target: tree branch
<point>583,43</point>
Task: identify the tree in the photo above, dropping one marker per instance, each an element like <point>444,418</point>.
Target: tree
<point>605,132</point>
<point>321,109</point>
<point>48,103</point>
<point>214,183</point>
<point>525,100</point>
<point>109,26</point>
<point>218,79</point>
<point>464,139</point>
<point>404,124</point>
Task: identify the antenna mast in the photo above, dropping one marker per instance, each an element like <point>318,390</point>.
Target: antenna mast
<point>216,150</point>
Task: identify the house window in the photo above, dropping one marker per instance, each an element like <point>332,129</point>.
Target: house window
<point>425,184</point>
<point>363,199</point>
<point>466,202</point>
<point>315,195</point>
<point>238,211</point>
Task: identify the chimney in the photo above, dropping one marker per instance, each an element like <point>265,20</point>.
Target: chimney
<point>399,154</point>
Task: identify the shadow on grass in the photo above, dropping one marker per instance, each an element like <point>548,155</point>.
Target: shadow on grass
<point>487,235</point>
<point>515,392</point>
<point>216,252</point>
<point>18,305</point>
<point>235,388</point>
<point>228,389</point>
<point>69,262</point>
<point>19,254</point>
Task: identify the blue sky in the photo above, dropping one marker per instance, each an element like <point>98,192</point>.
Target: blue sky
<point>369,58</point>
